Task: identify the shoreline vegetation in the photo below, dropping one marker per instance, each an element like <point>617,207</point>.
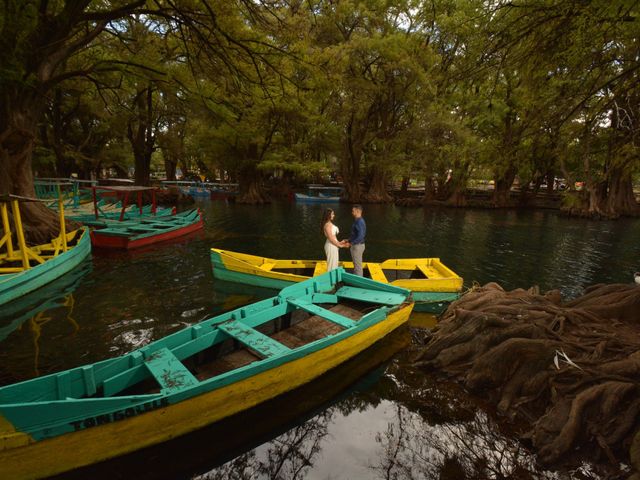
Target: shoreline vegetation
<point>370,93</point>
<point>569,370</point>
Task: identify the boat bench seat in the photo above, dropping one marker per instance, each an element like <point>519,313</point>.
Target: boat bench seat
<point>323,312</point>
<point>263,345</point>
<point>321,267</point>
<point>169,372</point>
<point>429,272</point>
<point>377,273</point>
<point>113,231</point>
<point>364,295</point>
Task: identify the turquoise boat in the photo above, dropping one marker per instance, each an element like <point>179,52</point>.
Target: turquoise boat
<point>23,268</point>
<point>111,212</point>
<point>194,377</point>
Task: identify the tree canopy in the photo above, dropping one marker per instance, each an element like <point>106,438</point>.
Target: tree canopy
<point>372,92</point>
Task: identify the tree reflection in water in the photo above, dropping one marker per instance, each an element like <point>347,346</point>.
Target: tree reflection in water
<point>413,449</point>
<point>437,431</point>
<point>286,457</point>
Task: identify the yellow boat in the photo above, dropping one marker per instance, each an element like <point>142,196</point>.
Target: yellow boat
<point>433,284</point>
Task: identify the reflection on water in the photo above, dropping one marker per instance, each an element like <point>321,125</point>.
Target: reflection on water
<point>412,449</point>
<point>290,456</point>
<point>50,297</point>
<point>125,300</point>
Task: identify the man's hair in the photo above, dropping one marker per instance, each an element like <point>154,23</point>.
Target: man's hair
<point>357,206</point>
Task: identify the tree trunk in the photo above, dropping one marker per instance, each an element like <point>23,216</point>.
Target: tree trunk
<point>378,188</point>
<point>611,198</point>
<point>351,165</point>
<point>502,190</point>
<point>18,126</point>
<point>404,187</point>
<point>170,166</point>
<point>251,189</point>
<point>142,137</point>
<point>250,186</point>
<point>620,198</point>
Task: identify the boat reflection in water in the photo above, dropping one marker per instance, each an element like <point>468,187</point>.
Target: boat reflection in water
<point>35,305</point>
<point>298,420</point>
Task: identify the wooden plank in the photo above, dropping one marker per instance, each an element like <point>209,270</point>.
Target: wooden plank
<point>376,272</point>
<point>322,312</point>
<point>120,381</point>
<point>324,298</point>
<point>198,344</point>
<point>169,372</point>
<point>371,296</point>
<point>321,267</point>
<point>428,272</point>
<point>89,380</point>
<point>253,339</point>
<point>267,266</point>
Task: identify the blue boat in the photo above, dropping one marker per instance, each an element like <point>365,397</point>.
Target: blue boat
<point>320,194</point>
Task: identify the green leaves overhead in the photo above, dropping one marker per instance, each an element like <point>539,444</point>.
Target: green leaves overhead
<point>373,89</point>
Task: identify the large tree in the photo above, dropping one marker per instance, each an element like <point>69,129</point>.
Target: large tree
<point>37,38</point>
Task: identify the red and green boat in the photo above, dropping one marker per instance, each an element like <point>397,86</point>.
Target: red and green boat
<point>141,230</point>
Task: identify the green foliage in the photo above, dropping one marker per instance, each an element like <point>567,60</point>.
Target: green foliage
<point>443,89</point>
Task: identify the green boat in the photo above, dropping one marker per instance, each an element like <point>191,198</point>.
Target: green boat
<point>194,377</point>
<point>24,268</point>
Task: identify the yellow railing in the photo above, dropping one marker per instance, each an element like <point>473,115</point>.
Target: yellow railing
<point>24,254</point>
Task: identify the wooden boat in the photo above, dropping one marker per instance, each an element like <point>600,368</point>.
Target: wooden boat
<point>433,284</point>
<point>194,377</point>
<point>109,212</point>
<point>27,268</point>
<point>142,231</point>
<point>320,194</point>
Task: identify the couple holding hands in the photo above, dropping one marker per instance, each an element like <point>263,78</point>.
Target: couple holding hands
<point>355,243</point>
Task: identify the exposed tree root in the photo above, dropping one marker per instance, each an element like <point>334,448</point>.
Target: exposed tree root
<point>572,370</point>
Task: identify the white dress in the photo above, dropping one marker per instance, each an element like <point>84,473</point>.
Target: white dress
<point>332,251</point>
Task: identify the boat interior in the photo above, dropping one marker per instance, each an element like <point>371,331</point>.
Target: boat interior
<point>370,270</point>
<point>217,347</point>
<point>237,345</point>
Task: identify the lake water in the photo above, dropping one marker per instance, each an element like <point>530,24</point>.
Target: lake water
<point>374,418</point>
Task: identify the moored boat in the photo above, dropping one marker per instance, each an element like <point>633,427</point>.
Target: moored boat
<point>433,284</point>
<point>24,268</point>
<point>320,194</point>
<point>146,230</point>
<point>194,377</point>
<point>128,232</point>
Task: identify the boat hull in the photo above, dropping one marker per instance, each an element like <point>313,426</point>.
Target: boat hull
<point>301,197</point>
<point>102,239</point>
<point>91,445</point>
<point>13,286</point>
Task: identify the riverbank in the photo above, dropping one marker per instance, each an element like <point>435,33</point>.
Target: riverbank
<point>484,198</point>
<point>569,370</point>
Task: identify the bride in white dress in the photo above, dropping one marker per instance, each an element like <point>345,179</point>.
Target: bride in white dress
<point>332,244</point>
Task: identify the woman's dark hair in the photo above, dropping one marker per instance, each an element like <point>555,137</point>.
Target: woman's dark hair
<point>326,217</point>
